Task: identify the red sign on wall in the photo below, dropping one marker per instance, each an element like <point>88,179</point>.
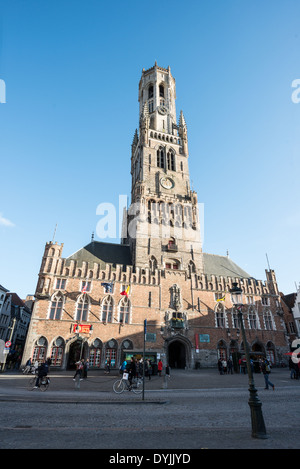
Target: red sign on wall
<point>84,328</point>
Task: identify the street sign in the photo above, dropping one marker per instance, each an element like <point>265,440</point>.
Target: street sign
<point>8,344</point>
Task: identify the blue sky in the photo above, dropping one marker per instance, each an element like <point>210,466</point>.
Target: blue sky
<point>71,70</point>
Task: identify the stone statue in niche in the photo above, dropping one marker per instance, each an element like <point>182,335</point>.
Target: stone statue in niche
<point>175,302</point>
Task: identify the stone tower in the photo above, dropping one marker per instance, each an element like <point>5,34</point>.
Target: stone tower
<point>163,227</point>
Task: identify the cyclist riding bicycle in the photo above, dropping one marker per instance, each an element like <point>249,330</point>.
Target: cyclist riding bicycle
<point>42,371</point>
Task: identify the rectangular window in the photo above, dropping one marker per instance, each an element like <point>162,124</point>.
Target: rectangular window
<point>86,286</point>
<point>60,283</point>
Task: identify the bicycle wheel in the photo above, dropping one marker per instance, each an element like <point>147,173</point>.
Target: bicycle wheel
<point>31,383</point>
<point>44,384</point>
<point>137,386</point>
<point>118,386</point>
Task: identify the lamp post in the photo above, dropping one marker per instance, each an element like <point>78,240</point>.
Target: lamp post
<point>258,424</point>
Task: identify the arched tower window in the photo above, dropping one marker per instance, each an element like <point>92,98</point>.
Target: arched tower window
<point>160,157</point>
<point>150,92</point>
<point>171,160</point>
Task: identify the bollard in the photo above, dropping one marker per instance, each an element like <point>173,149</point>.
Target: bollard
<point>77,382</point>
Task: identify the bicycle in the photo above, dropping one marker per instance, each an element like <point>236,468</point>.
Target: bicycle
<point>123,384</point>
<point>44,382</point>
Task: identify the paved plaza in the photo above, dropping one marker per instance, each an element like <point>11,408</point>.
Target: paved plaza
<point>194,409</point>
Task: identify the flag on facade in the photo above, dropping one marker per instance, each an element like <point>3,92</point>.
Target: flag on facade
<point>108,287</point>
<point>125,292</point>
<point>221,299</point>
<point>83,290</point>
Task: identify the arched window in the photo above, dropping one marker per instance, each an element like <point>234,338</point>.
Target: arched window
<point>222,350</point>
<point>268,320</point>
<point>57,352</point>
<point>160,158</point>
<point>152,264</point>
<point>56,306</point>
<point>107,309</point>
<point>150,92</point>
<point>39,352</point>
<point>124,311</point>
<point>82,308</point>
<point>171,160</point>
<point>253,319</point>
<point>111,352</point>
<point>220,317</point>
<point>161,91</point>
<point>95,354</point>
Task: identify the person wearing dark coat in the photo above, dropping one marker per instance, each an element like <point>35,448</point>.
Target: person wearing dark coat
<point>132,370</point>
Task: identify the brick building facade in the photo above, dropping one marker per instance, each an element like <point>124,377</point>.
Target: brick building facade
<point>93,304</point>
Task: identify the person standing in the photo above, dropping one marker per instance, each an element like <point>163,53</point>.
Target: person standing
<point>123,367</point>
<point>27,366</point>
<point>107,367</point>
<point>132,370</point>
<point>229,366</point>
<point>265,368</point>
<point>148,369</point>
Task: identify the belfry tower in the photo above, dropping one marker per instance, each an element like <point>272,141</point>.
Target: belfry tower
<point>163,227</point>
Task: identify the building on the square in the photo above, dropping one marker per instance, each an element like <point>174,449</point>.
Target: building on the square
<point>291,307</point>
<point>94,302</point>
<point>15,318</point>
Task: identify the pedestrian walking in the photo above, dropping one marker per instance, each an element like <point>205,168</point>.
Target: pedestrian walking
<point>265,368</point>
<point>159,367</point>
<point>85,368</point>
<point>79,368</point>
<point>167,371</point>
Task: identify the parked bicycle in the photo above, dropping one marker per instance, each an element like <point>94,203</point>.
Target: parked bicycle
<point>123,384</point>
<point>44,382</point>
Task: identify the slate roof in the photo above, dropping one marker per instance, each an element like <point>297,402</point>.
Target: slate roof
<point>222,266</point>
<point>103,253</point>
<point>109,253</point>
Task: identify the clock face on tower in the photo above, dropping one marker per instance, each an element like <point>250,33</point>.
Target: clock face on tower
<point>167,183</point>
<point>162,109</point>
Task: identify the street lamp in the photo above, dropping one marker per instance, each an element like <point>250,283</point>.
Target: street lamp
<point>258,424</point>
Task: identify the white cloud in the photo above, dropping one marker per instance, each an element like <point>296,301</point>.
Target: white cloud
<point>5,221</point>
